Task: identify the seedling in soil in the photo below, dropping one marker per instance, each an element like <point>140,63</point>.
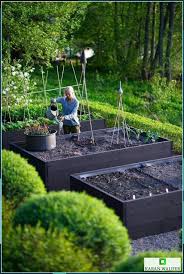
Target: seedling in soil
<point>151,137</point>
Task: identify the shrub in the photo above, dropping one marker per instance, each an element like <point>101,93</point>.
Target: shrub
<point>20,179</point>
<point>32,249</point>
<point>136,263</point>
<point>95,226</point>
<point>7,214</point>
<point>165,130</point>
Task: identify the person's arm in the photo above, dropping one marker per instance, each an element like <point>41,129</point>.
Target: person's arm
<point>59,100</point>
<point>73,113</point>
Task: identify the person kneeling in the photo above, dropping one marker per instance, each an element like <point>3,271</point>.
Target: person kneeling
<point>70,106</point>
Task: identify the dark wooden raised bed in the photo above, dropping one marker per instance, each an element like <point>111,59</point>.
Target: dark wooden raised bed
<point>56,173</point>
<point>142,216</point>
<point>18,136</point>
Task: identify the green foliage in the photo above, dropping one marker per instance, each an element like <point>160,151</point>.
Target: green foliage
<point>35,30</point>
<point>20,180</point>
<point>32,249</point>
<point>139,96</point>
<point>165,130</point>
<point>37,113</point>
<point>7,215</point>
<point>151,137</point>
<point>16,87</point>
<point>118,34</point>
<point>95,226</point>
<point>136,263</point>
<point>10,126</point>
<point>37,130</point>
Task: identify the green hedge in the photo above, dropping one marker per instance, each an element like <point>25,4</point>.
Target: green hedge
<point>32,249</point>
<point>95,226</point>
<point>136,263</point>
<point>19,179</point>
<point>164,130</point>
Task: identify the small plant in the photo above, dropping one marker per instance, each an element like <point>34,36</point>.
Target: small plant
<point>136,132</point>
<point>151,137</point>
<point>37,129</point>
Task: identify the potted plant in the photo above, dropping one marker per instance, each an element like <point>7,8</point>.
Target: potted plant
<point>40,138</point>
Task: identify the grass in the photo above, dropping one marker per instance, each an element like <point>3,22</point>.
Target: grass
<point>149,99</point>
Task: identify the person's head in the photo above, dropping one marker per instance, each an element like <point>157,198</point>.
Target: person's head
<point>69,93</point>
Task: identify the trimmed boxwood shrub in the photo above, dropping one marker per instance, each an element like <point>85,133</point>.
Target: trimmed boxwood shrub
<point>136,263</point>
<point>32,249</point>
<point>94,225</point>
<point>20,179</point>
<point>7,214</point>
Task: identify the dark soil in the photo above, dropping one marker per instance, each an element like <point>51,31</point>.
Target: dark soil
<point>71,146</point>
<point>139,181</point>
<point>169,172</point>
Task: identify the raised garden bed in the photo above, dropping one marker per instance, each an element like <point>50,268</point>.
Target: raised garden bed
<point>127,190</point>
<point>18,135</point>
<point>72,156</point>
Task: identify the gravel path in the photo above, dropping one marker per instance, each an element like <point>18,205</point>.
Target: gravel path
<point>164,241</point>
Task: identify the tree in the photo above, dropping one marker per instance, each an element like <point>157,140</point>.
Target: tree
<point>34,30</point>
<point>146,43</point>
<point>158,58</point>
<point>153,32</point>
<point>171,7</point>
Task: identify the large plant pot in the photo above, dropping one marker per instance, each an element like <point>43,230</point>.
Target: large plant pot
<point>41,142</point>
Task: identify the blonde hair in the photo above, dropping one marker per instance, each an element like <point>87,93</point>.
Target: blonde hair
<point>70,90</point>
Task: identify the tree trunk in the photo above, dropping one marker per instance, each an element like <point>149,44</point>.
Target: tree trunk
<point>153,33</point>
<point>146,43</point>
<point>161,35</point>
<point>116,32</point>
<point>171,7</point>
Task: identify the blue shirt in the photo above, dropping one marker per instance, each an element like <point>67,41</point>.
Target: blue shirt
<point>69,111</point>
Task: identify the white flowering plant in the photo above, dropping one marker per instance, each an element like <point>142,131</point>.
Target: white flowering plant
<point>17,84</point>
